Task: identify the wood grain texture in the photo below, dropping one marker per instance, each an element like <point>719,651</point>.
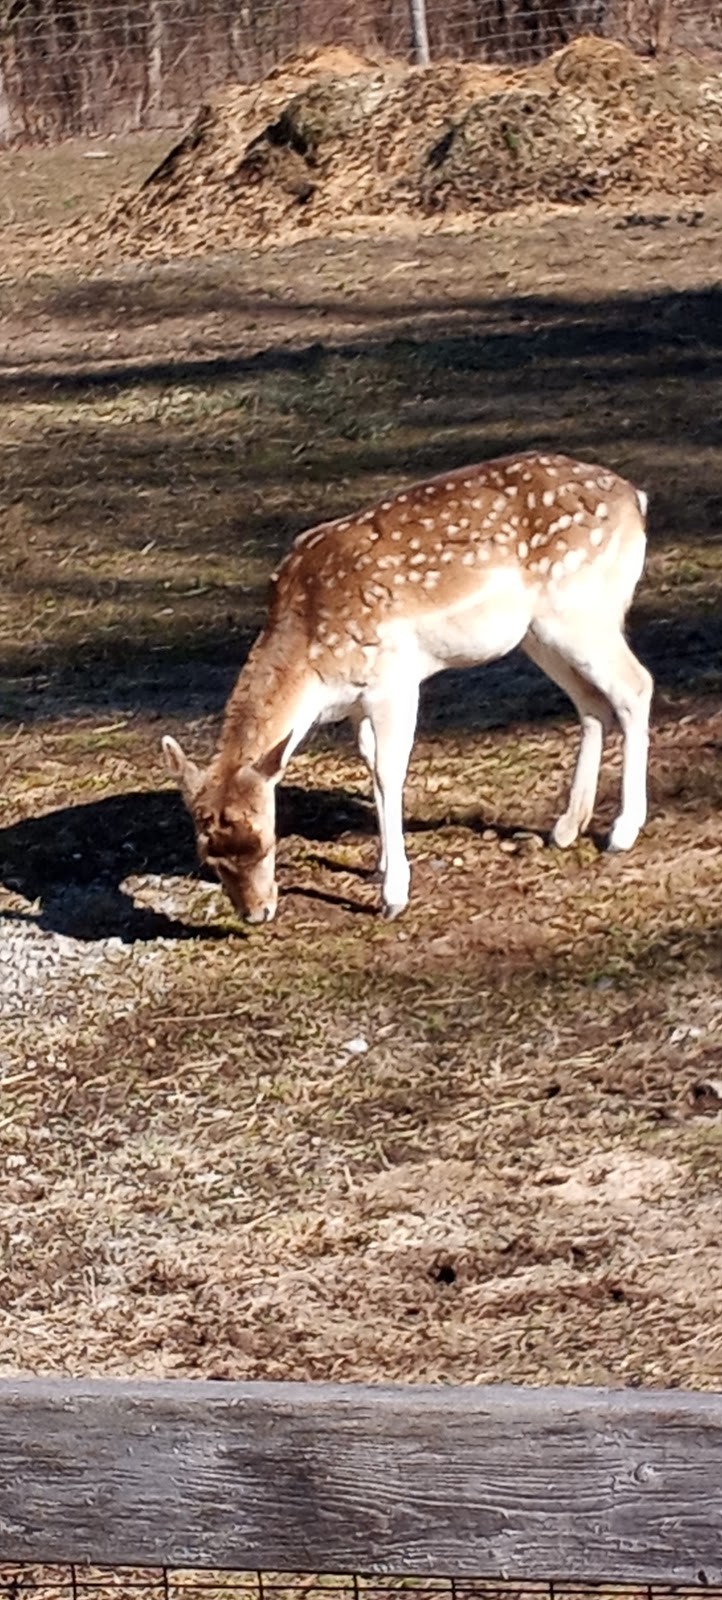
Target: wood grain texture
<point>538,1483</point>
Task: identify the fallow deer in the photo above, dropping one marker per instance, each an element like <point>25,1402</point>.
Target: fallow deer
<point>535,550</point>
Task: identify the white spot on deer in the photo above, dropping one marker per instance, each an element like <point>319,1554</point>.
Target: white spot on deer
<point>396,534</point>
<point>522,550</point>
<point>596,536</point>
<point>574,559</point>
<point>331,638</point>
<point>402,498</point>
<point>602,509</point>
<point>543,564</point>
<point>428,523</point>
<point>463,522</point>
<point>557,569</point>
<point>548,497</point>
<point>415,577</point>
<point>468,558</point>
<point>386,505</point>
<point>606,480</point>
<point>447,556</point>
<point>499,504</point>
<point>579,516</point>
<point>314,650</point>
<point>418,560</point>
<point>430,489</point>
<point>431,579</point>
<point>531,500</point>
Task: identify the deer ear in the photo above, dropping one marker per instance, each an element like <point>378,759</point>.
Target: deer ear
<point>272,764</point>
<point>185,772</point>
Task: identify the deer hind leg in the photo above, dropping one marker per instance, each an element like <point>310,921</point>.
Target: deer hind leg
<point>392,728</point>
<point>630,692</point>
<point>367,750</point>
<point>596,718</point>
<point>606,662</point>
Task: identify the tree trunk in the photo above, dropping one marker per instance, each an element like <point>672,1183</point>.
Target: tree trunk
<point>155,63</point>
<point>663,27</point>
<point>6,115</point>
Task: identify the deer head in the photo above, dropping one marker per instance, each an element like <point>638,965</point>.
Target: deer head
<point>233,814</point>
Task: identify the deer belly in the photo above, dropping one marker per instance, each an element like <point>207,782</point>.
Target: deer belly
<point>470,636</point>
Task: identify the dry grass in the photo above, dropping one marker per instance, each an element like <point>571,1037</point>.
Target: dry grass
<point>483,1143</point>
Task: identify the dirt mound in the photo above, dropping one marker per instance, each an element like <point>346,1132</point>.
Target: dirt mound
<point>332,142</point>
<point>594,122</point>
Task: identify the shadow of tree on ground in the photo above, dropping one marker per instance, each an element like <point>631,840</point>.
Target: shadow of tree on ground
<point>310,431</point>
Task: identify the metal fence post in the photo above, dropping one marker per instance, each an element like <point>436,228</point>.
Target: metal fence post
<point>419,32</point>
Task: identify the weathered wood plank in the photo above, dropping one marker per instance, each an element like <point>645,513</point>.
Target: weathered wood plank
<point>559,1483</point>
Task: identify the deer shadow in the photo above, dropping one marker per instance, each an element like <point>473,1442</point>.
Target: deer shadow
<point>72,864</point>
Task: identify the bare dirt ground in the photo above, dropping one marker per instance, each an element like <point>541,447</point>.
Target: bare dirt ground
<point>483,1143</point>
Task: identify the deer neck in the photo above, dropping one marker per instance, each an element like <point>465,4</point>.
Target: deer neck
<point>275,701</point>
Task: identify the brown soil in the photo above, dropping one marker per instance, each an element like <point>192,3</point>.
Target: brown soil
<point>332,143</point>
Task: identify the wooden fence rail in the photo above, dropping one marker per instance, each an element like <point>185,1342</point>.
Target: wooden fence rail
<point>568,1484</point>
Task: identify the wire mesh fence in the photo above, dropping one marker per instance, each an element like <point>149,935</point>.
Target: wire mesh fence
<point>73,1582</point>
<point>103,66</point>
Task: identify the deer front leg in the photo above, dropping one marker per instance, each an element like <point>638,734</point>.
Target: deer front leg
<point>393,725</point>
